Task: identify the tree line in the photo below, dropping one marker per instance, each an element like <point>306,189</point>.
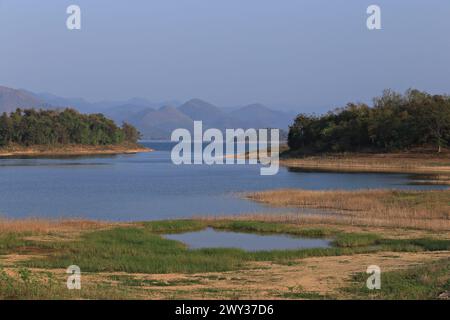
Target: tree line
<point>394,122</point>
<point>51,127</point>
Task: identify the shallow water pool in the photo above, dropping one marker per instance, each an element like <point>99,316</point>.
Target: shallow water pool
<point>210,238</point>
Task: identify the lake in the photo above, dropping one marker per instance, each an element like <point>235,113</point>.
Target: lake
<point>148,186</point>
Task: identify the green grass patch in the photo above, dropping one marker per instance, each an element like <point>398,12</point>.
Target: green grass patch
<point>28,285</point>
<point>133,250</point>
<point>349,240</point>
<point>10,242</point>
<point>174,226</point>
<point>272,228</point>
<point>427,281</point>
<point>423,244</point>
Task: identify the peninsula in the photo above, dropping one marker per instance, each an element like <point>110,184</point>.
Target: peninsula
<point>64,133</point>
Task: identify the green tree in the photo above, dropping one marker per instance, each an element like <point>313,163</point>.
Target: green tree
<point>131,134</point>
<point>5,129</point>
<point>49,127</point>
<point>394,122</point>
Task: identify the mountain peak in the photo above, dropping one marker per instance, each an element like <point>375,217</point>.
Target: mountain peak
<point>198,109</point>
<point>196,101</point>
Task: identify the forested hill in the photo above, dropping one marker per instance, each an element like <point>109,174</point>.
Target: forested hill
<point>51,127</point>
<point>395,122</point>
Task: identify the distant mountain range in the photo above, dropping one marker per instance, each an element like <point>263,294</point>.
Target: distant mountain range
<point>10,99</point>
<point>155,120</point>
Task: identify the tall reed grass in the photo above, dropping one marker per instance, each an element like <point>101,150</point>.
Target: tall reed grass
<point>429,210</point>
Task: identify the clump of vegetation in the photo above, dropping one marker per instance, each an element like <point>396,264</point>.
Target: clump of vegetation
<point>348,240</point>
<point>11,241</point>
<point>395,122</point>
<point>174,226</point>
<point>26,284</point>
<point>422,244</point>
<point>52,127</point>
<point>264,227</point>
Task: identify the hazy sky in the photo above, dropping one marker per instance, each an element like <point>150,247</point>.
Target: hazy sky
<point>309,55</point>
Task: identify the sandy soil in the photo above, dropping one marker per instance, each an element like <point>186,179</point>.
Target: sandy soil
<point>72,150</point>
<point>395,163</point>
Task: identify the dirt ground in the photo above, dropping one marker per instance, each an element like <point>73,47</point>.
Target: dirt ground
<point>322,275</point>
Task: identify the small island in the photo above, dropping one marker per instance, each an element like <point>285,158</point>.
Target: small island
<point>408,133</point>
<point>64,132</point>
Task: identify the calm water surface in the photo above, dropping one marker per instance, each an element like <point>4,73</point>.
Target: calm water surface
<point>148,186</point>
<point>211,238</point>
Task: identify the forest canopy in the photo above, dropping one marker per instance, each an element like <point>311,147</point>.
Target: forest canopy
<point>394,122</point>
<point>51,127</point>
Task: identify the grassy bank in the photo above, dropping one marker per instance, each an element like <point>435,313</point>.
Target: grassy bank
<point>135,261</point>
<point>71,150</point>
<point>426,163</point>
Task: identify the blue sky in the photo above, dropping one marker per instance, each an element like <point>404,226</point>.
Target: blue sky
<point>310,55</point>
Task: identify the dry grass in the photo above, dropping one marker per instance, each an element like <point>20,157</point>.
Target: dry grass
<point>331,224</point>
<point>431,179</point>
<point>401,162</point>
<point>426,210</point>
<point>43,226</point>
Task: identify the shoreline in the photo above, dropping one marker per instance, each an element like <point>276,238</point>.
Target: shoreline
<point>373,163</point>
<point>72,150</point>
